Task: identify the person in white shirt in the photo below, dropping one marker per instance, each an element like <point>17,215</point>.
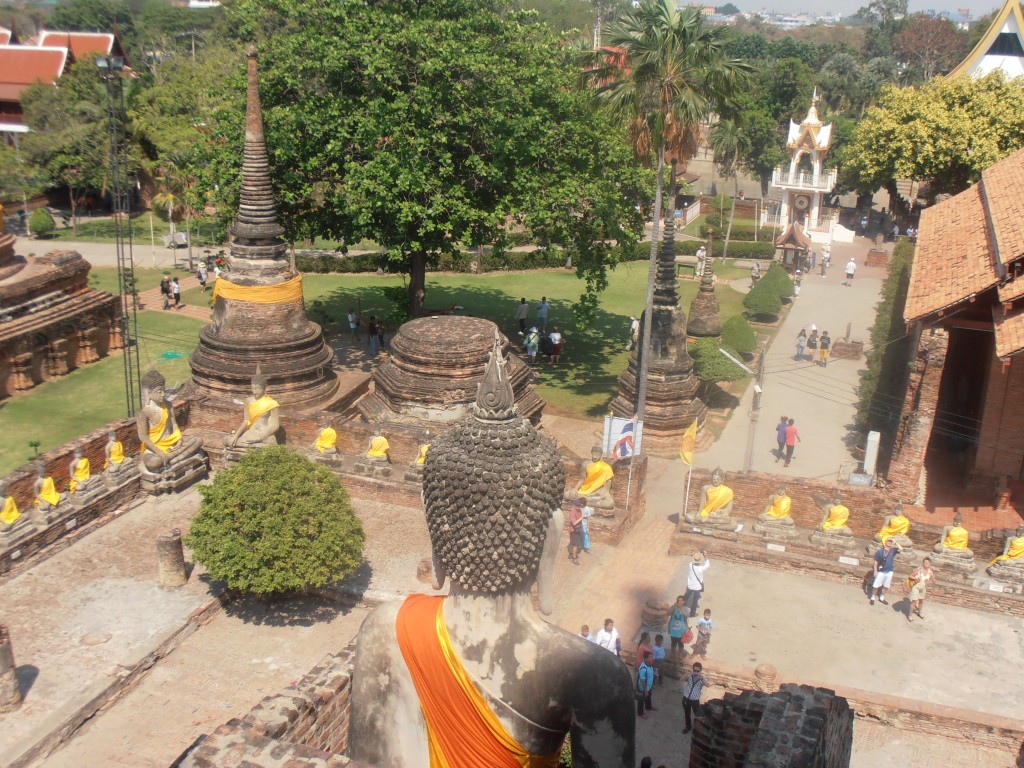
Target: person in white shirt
<point>695,581</point>
<point>851,267</point>
<point>634,332</point>
<point>608,637</point>
<point>556,345</point>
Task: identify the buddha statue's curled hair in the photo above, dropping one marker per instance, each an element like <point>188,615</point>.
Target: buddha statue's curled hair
<point>490,485</point>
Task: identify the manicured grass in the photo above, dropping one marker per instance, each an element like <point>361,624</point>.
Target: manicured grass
<point>105,278</point>
<point>103,230</point>
<point>62,409</point>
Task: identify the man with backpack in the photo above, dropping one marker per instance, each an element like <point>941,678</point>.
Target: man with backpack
<point>644,684</point>
<point>165,291</point>
<point>695,581</point>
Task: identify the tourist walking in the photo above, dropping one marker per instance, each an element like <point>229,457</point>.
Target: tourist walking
<point>825,343</point>
<point>380,332</point>
<point>353,324</point>
<point>658,657</point>
<point>165,291</point>
<point>371,336</point>
<point>532,344</point>
<point>201,275</point>
<point>883,565</point>
<point>801,344</point>
<point>576,530</point>
<point>556,345</point>
<point>645,646</point>
<point>695,581</point>
<point>634,332</point>
<point>918,582</point>
<point>700,648</point>
<point>792,436</point>
<point>812,344</point>
<point>522,313</point>
<point>176,290</point>
<point>543,309</point>
<point>755,273</point>
<point>693,686</point>
<point>587,514</point>
<point>851,268</point>
<point>798,278</point>
<point>608,637</point>
<point>780,437</point>
<point>644,684</point>
<point>677,626</point>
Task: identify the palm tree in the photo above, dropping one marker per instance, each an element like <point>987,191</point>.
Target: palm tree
<point>666,74</point>
<point>728,143</point>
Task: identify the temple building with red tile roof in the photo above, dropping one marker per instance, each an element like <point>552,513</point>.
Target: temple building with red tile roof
<point>962,421</point>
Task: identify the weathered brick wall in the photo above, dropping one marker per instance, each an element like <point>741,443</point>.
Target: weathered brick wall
<point>1001,442</point>
<point>233,745</point>
<point>798,726</point>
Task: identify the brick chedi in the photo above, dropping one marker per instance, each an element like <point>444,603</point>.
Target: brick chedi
<point>432,371</point>
<point>259,316</point>
<point>672,403</point>
<point>705,314</point>
<point>51,321</point>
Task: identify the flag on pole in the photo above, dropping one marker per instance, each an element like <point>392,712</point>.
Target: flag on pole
<point>624,445</point>
<point>688,444</point>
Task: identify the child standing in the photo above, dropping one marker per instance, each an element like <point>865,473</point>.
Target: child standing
<point>703,635</point>
<point>658,654</point>
<point>587,514</point>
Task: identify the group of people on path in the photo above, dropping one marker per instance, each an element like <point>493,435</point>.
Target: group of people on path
<point>374,331</point>
<point>170,290</point>
<point>915,586</point>
<point>786,437</point>
<point>818,348</point>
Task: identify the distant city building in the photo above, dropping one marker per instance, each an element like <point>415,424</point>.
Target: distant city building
<point>1001,47</point>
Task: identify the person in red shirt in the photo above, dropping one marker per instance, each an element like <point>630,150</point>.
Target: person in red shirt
<point>792,436</point>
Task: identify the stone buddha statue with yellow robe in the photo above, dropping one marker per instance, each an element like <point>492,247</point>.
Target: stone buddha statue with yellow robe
<point>326,443</point>
<point>777,520</point>
<point>414,472</point>
<point>260,420</point>
<point>954,541</point>
<point>81,479</point>
<point>11,518</point>
<point>48,498</point>
<point>113,451</point>
<point>378,450</point>
<point>896,527</point>
<point>163,445</point>
<point>833,529</point>
<point>477,678</point>
<point>1009,566</point>
<point>596,484</point>
<point>715,508</point>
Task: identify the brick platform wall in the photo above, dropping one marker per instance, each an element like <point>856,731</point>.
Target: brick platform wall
<point>1001,442</point>
<point>797,726</point>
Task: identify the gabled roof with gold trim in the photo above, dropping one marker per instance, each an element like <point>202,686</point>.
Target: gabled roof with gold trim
<point>1011,18</point>
<point>810,134</point>
<point>794,238</point>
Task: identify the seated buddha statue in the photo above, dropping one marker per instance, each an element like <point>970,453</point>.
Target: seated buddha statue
<point>326,442</point>
<point>715,508</point>
<point>954,540</point>
<point>596,484</point>
<point>378,450</point>
<point>776,518</point>
<point>163,445</point>
<point>48,498</point>
<point>836,516</point>
<point>414,472</point>
<point>1009,566</point>
<point>477,677</point>
<point>81,479</point>
<point>896,527</point>
<point>115,464</point>
<point>260,420</point>
<point>11,518</point>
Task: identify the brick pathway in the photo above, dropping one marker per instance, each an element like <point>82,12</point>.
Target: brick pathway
<point>153,299</point>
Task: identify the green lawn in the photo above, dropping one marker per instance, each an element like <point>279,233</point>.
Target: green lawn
<point>62,409</point>
<point>105,278</point>
<point>102,230</point>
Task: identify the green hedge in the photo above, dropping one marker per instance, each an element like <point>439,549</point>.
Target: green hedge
<point>740,250</point>
<point>740,233</point>
<point>737,334</point>
<point>778,278</point>
<point>710,365</point>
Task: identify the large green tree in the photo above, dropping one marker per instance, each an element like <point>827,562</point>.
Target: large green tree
<point>671,74</point>
<point>437,124</point>
<point>947,131</point>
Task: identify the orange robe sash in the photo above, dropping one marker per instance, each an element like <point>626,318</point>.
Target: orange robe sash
<point>462,731</point>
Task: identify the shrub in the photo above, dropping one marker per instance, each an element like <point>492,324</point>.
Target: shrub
<point>737,334</point>
<point>763,300</point>
<point>41,222</point>
<point>779,279</point>
<point>711,365</point>
<point>276,523</point>
<point>740,250</point>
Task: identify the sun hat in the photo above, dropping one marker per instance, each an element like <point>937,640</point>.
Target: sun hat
<point>698,558</point>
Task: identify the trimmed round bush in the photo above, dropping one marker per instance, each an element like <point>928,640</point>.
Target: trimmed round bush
<point>276,523</point>
<point>737,334</point>
<point>710,364</point>
<point>763,301</point>
<point>779,279</point>
<point>41,222</point>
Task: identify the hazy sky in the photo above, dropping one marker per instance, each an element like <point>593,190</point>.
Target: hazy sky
<point>977,8</point>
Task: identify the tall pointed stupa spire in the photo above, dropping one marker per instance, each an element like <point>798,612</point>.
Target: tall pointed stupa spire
<point>666,293</point>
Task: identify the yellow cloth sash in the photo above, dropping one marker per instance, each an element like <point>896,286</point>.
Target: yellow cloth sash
<point>290,290</point>
<point>780,508</point>
<point>378,446</point>
<point>897,526</point>
<point>328,439</point>
<point>1015,552</point>
<point>598,473</point>
<point>462,730</point>
<point>837,517</point>
<point>49,493</point>
<point>422,458</point>
<point>10,511</point>
<point>116,454</point>
<point>156,433</point>
<point>718,497</point>
<point>957,538</point>
<point>82,473</point>
<point>257,408</point>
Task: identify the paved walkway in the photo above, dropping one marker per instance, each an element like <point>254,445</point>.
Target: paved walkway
<point>823,401</point>
<point>153,299</point>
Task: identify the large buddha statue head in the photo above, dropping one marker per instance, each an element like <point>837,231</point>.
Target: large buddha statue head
<point>153,387</point>
<point>259,384</point>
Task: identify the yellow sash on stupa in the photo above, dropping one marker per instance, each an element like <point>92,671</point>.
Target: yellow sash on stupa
<point>116,454</point>
<point>837,517</point>
<point>156,433</point>
<point>49,493</point>
<point>422,458</point>
<point>10,511</point>
<point>327,440</point>
<point>1015,552</point>
<point>898,525</point>
<point>257,408</point>
<point>780,507</point>
<point>957,538</point>
<point>82,473</point>
<point>598,473</point>
<point>378,446</point>
<point>718,497</point>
